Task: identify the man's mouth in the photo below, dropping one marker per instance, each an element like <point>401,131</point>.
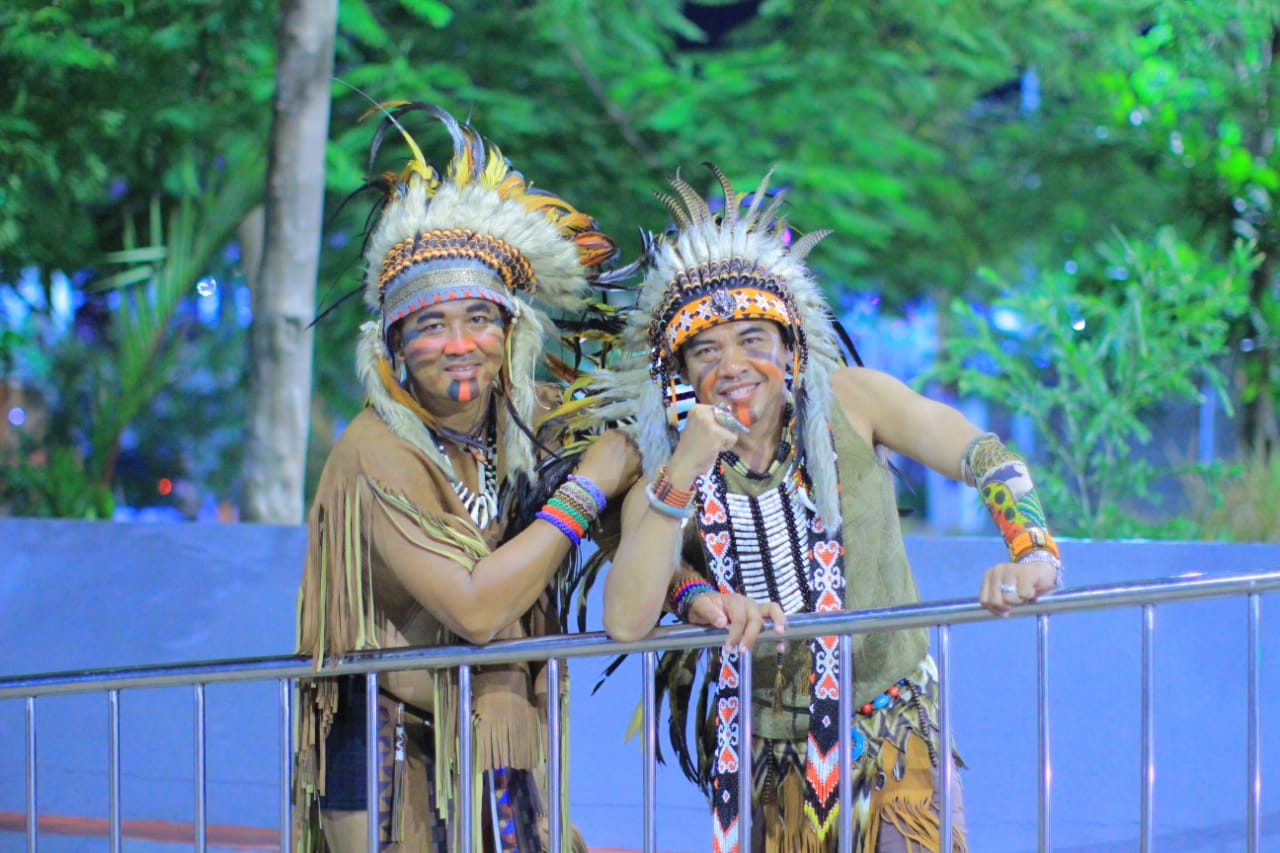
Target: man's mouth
<point>739,393</point>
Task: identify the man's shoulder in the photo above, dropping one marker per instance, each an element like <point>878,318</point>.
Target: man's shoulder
<point>368,436</point>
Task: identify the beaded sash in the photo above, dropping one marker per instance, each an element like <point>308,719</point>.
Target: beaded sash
<point>773,547</point>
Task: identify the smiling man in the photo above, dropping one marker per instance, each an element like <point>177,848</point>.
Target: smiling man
<point>775,498</point>
<point>411,542</point>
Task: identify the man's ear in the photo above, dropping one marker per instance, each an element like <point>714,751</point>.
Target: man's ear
<point>682,369</point>
<point>395,338</point>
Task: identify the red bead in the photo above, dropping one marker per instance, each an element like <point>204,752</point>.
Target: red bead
<point>867,709</point>
<point>893,691</point>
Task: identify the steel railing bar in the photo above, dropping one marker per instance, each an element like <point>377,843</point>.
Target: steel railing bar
<point>201,777</point>
<point>596,644</point>
<point>33,833</point>
<point>844,672</point>
<point>371,760</point>
<point>555,772</point>
<point>286,762</point>
<point>466,757</point>
<point>113,769</point>
<point>947,770</point>
<point>1147,799</point>
<point>744,750</point>
<point>1253,832</point>
<point>1044,815</point>
<point>648,669</point>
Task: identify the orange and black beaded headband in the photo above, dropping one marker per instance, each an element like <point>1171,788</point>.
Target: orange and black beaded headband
<point>444,265</point>
<point>702,297</point>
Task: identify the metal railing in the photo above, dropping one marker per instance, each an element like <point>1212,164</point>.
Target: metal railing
<point>943,615</point>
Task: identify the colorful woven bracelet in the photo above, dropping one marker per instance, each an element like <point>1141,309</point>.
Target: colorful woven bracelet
<point>591,489</point>
<point>568,509</point>
<point>575,497</point>
<point>561,525</point>
<point>681,587</point>
<point>566,517</point>
<point>688,592</point>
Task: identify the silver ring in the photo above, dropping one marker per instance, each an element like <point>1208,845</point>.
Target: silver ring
<point>1009,587</point>
<point>728,420</point>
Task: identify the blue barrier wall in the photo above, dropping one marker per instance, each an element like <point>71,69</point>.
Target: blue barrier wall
<point>78,595</point>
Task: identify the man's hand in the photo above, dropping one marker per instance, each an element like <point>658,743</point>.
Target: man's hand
<point>702,440</point>
<point>611,462</point>
<point>741,615</point>
<point>1007,585</point>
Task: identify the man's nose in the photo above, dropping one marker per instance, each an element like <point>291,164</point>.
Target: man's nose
<point>734,360</point>
<point>459,342</point>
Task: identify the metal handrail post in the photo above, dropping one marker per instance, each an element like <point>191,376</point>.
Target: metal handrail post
<point>113,768</point>
<point>371,761</point>
<point>466,757</point>
<point>1253,831</point>
<point>1044,817</point>
<point>286,763</point>
<point>844,673</point>
<point>1147,799</point>
<point>947,771</point>
<point>744,749</point>
<point>33,832</point>
<point>648,669</point>
<point>201,793</point>
<point>555,772</point>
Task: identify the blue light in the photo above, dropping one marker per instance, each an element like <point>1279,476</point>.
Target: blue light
<point>17,416</point>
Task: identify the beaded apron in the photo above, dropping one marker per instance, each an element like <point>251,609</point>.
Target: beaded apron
<point>773,547</point>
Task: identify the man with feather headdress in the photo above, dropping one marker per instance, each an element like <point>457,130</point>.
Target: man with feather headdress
<point>412,539</point>
<point>776,498</point>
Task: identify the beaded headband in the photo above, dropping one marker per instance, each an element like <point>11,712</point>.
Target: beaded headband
<point>474,230</point>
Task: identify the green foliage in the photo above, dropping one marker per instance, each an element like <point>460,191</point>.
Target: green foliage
<point>1237,501</point>
<point>98,389</point>
<point>100,103</point>
<point>1094,361</point>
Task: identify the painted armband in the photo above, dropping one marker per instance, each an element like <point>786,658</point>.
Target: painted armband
<point>1002,478</point>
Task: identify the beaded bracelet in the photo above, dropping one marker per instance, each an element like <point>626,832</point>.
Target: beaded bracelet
<point>666,491</point>
<point>656,503</point>
<point>561,525</point>
<point>686,593</point>
<point>591,489</point>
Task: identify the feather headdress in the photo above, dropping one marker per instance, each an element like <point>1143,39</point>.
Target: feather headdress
<point>477,230</point>
<point>714,268</point>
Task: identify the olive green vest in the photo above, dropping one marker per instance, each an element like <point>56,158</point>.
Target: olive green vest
<point>877,575</point>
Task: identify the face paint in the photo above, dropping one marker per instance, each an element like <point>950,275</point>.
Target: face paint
<point>453,351</point>
<point>722,356</point>
<point>464,391</point>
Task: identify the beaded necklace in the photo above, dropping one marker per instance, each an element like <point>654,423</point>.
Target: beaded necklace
<point>802,570</point>
<point>481,505</point>
<point>781,457</point>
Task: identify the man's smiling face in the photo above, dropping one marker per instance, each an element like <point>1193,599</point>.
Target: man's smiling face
<point>740,364</point>
<point>453,351</point>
